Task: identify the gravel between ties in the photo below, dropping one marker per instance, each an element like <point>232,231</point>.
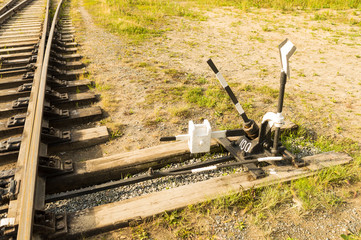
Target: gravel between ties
<point>142,188</point>
<point>139,189</point>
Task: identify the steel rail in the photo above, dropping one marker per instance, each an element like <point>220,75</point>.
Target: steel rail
<point>22,209</point>
<point>7,6</point>
<point>6,14</point>
<point>213,164</point>
<point>28,188</point>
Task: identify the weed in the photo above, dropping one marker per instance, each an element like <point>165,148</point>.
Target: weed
<point>86,61</point>
<point>266,28</point>
<point>352,235</point>
<point>212,97</point>
<point>240,225</point>
<point>191,43</point>
<point>316,192</point>
<point>116,130</point>
<point>241,200</point>
<point>271,197</point>
<point>140,233</point>
<point>128,112</point>
<point>301,74</point>
<point>172,219</point>
<point>181,112</point>
<point>102,86</point>
<point>266,90</point>
<point>185,232</point>
<point>174,73</point>
<point>143,65</point>
<point>201,80</point>
<point>339,129</point>
<point>153,121</point>
<point>257,37</point>
<point>321,16</point>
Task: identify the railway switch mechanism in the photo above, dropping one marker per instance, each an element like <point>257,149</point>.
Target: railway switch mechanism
<point>253,144</point>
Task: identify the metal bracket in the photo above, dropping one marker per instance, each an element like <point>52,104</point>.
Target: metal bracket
<point>33,59</point>
<point>35,52</point>
<point>26,87</point>
<point>7,173</point>
<point>15,121</point>
<point>56,82</point>
<point>7,189</point>
<point>11,144</point>
<point>28,75</point>
<point>21,102</point>
<point>52,135</point>
<point>31,66</point>
<point>248,146</point>
<point>52,112</point>
<point>50,224</point>
<point>54,165</point>
<point>56,96</point>
<point>239,155</point>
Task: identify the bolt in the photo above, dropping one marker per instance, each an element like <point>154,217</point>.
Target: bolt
<point>60,225</point>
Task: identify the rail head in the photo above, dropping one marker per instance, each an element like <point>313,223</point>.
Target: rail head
<point>8,10</point>
<point>22,209</point>
<point>7,6</point>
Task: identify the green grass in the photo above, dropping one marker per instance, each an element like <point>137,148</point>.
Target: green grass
<point>315,192</point>
<point>352,235</point>
<point>143,19</point>
<point>140,19</point>
<point>257,37</point>
<point>180,111</point>
<point>318,192</point>
<point>140,233</point>
<point>212,97</point>
<point>304,4</point>
<point>102,86</point>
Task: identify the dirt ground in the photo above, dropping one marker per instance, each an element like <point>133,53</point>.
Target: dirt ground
<point>323,93</point>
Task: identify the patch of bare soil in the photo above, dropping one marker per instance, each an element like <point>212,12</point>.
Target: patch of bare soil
<point>323,92</point>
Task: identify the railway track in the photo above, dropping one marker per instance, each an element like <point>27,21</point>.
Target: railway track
<point>41,100</point>
<point>46,108</point>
